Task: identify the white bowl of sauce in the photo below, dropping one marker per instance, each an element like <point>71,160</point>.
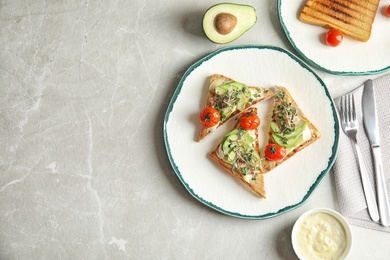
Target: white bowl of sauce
<point>321,234</point>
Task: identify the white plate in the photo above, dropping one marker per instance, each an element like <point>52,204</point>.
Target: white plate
<point>290,184</point>
<point>351,57</point>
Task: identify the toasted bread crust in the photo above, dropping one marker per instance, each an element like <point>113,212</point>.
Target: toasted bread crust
<point>353,18</point>
<point>217,80</point>
<point>315,134</point>
<point>257,186</point>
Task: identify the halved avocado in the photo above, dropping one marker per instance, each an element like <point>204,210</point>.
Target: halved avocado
<point>225,22</point>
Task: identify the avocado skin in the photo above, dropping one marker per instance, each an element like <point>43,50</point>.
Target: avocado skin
<point>244,23</point>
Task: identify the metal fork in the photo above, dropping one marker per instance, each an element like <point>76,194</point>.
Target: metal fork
<point>350,126</point>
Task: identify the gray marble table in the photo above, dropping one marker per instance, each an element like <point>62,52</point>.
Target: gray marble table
<point>83,168</point>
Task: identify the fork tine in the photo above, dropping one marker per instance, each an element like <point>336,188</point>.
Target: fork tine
<point>343,109</point>
<point>349,108</point>
<point>353,110</point>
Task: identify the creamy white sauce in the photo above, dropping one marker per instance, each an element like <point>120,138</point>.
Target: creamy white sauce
<point>252,133</point>
<point>306,134</point>
<point>220,153</point>
<point>248,177</point>
<point>321,236</point>
<point>213,128</point>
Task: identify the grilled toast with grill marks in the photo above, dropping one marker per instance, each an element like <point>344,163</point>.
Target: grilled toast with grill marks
<point>290,128</point>
<point>242,158</point>
<point>353,18</point>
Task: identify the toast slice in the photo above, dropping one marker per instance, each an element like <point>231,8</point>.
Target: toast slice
<point>238,153</point>
<point>353,18</point>
<point>230,98</point>
<point>289,129</point>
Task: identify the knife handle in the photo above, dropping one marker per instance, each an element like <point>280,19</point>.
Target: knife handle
<point>383,200</point>
<point>367,188</point>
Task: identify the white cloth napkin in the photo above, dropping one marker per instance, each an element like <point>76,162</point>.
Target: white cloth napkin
<point>347,178</point>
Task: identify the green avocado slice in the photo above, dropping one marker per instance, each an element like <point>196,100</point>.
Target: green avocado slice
<point>290,140</point>
<point>298,130</point>
<point>228,87</point>
<point>236,140</point>
<point>287,142</point>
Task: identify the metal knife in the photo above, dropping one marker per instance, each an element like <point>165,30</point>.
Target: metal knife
<point>370,120</point>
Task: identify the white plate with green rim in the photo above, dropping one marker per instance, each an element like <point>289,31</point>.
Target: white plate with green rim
<point>351,57</point>
<point>290,184</point>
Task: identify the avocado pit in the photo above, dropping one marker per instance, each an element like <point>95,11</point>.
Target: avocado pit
<point>225,23</point>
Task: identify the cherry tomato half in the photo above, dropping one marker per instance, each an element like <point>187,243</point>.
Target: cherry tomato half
<point>333,37</point>
<point>249,121</point>
<point>209,117</point>
<point>275,152</point>
<point>388,11</point>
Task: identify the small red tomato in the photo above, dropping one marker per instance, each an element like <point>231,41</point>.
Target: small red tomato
<point>249,121</point>
<point>333,37</point>
<point>209,117</point>
<point>388,11</point>
<point>275,152</point>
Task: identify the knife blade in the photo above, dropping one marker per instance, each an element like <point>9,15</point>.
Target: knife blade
<point>370,121</point>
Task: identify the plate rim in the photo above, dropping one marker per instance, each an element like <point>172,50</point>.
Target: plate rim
<point>322,174</point>
<point>315,64</point>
